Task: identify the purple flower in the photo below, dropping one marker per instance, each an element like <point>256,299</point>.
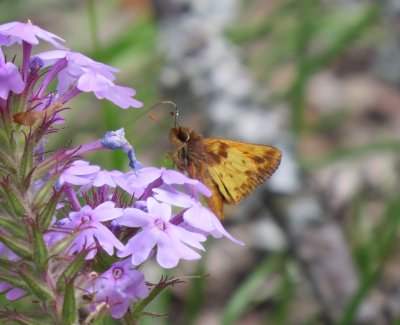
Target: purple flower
<point>119,286</point>
<point>90,230</point>
<point>78,73</point>
<point>79,173</point>
<point>16,32</point>
<point>10,78</point>
<point>82,173</point>
<point>151,177</point>
<point>172,241</point>
<point>12,293</point>
<point>105,88</point>
<point>104,177</point>
<point>195,215</point>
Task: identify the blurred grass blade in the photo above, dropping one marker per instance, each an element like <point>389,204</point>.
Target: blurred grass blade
<point>281,314</point>
<point>385,246</point>
<point>243,296</point>
<point>246,34</point>
<point>359,151</point>
<point>359,26</point>
<point>93,25</point>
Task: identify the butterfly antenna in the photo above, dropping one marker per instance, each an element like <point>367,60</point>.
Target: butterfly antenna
<point>174,115</point>
<point>164,102</point>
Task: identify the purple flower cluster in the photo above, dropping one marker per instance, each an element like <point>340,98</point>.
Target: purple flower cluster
<point>143,204</point>
<point>74,72</point>
<point>89,214</point>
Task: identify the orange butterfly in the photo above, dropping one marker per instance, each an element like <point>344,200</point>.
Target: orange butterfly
<point>230,169</point>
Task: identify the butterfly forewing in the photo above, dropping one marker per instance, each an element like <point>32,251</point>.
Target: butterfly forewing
<point>239,167</point>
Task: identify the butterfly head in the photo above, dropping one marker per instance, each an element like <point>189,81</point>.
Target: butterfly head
<point>179,136</point>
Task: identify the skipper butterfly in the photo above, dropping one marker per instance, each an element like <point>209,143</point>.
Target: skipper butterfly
<point>230,169</point>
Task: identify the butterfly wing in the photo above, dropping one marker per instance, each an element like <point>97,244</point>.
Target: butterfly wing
<point>236,168</point>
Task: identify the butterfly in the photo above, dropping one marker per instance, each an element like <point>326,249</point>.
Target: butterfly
<point>230,169</point>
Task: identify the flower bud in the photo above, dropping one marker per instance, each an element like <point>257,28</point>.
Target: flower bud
<point>69,310</point>
<point>14,203</point>
<point>40,253</point>
<point>35,64</point>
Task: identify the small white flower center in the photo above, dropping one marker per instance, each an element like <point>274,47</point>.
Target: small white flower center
<point>117,273</point>
<point>86,219</point>
<point>160,224</point>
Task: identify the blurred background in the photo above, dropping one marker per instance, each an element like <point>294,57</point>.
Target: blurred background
<point>319,80</point>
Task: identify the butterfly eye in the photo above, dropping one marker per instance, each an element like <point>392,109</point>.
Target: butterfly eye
<point>183,136</point>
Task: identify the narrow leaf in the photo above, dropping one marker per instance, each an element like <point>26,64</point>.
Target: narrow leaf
<point>14,202</point>
<point>26,159</point>
<point>47,213</point>
<point>243,295</point>
<point>71,270</point>
<point>16,229</point>
<point>14,280</point>
<point>36,286</point>
<point>42,196</point>
<point>19,247</point>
